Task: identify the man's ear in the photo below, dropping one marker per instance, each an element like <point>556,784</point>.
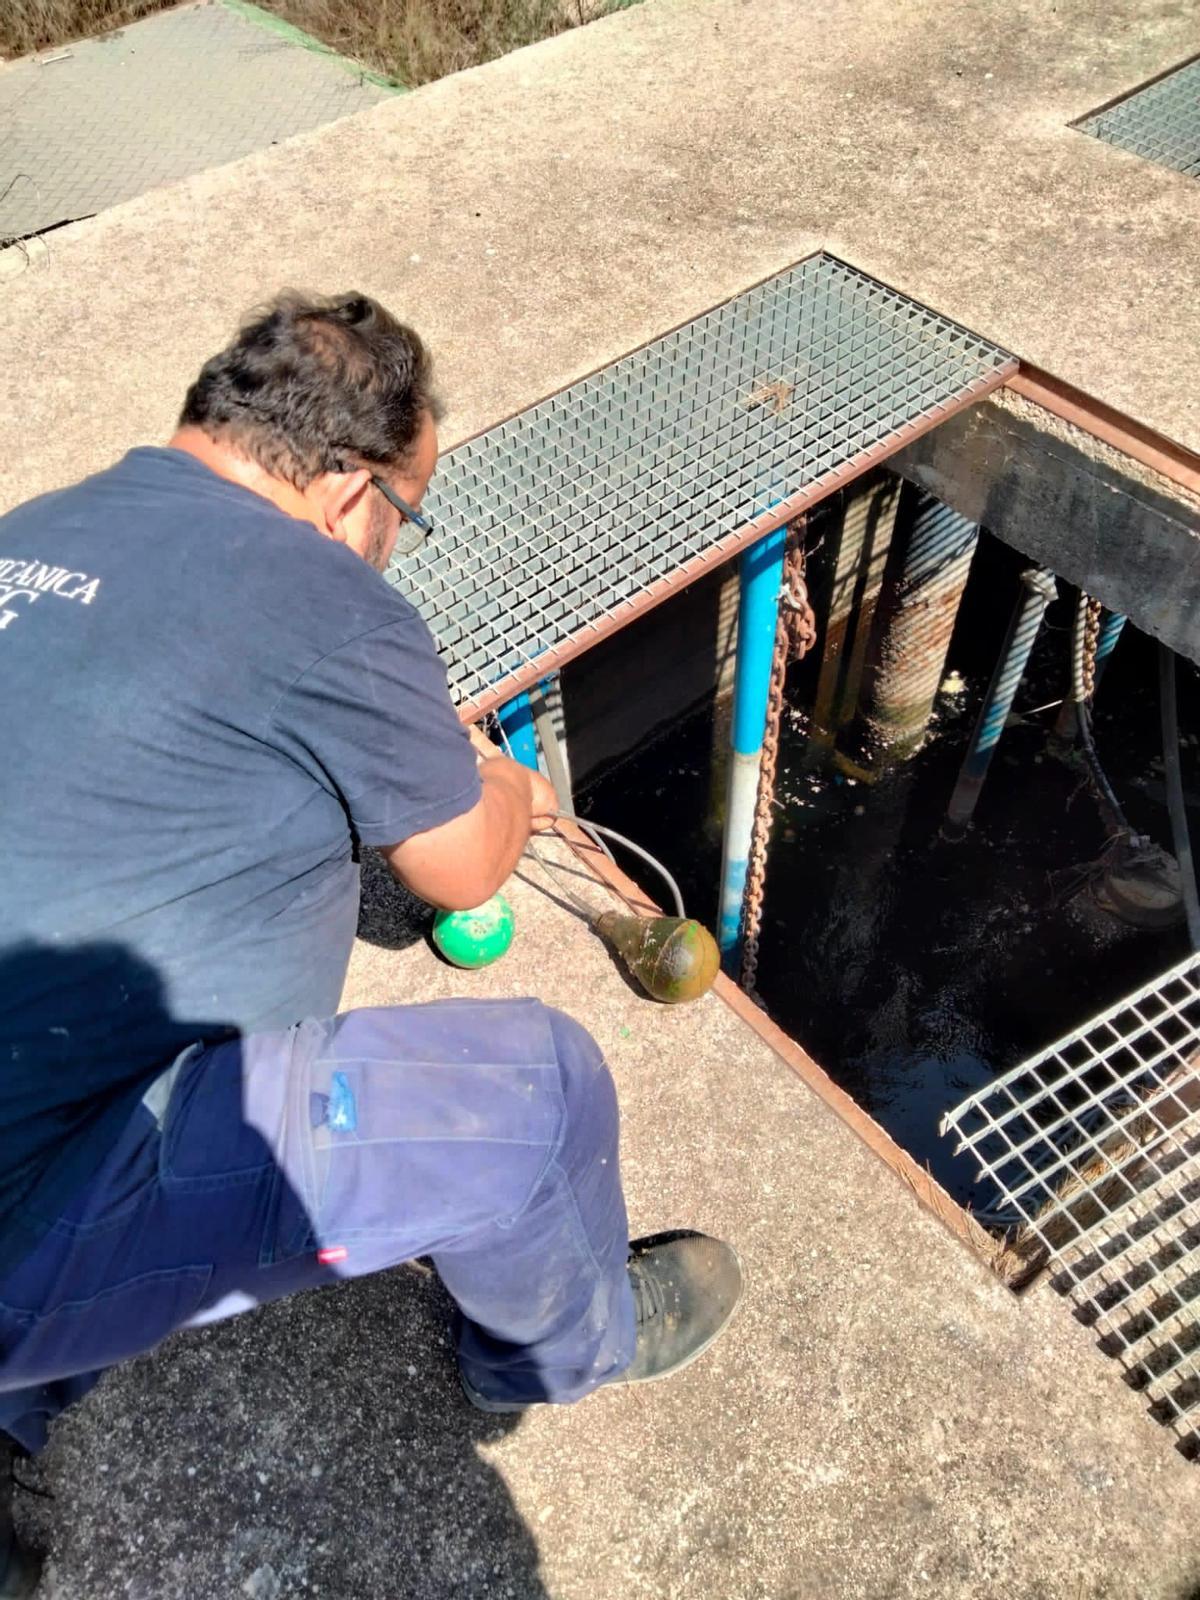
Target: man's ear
<point>337,495</point>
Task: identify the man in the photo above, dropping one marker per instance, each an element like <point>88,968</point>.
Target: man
<point>211,702</point>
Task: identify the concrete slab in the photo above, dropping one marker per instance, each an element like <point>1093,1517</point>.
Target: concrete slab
<point>542,214</point>
<point>1124,534</point>
<point>102,120</point>
<point>882,1421</point>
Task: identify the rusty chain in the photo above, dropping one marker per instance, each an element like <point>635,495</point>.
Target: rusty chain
<point>1091,639</point>
<point>1084,643</point>
<point>795,635</point>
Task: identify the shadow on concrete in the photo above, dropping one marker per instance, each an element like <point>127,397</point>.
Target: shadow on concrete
<point>388,915</point>
<point>320,1445</point>
<point>600,904</point>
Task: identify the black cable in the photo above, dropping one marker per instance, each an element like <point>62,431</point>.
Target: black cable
<point>1106,798</point>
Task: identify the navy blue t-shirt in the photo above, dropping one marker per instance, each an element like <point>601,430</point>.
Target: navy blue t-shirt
<point>205,706</point>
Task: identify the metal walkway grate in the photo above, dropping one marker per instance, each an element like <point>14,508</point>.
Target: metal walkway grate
<point>1094,1149</point>
<point>1160,122</point>
<point>562,523</point>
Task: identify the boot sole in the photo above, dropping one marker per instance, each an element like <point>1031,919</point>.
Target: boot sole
<point>498,1408</point>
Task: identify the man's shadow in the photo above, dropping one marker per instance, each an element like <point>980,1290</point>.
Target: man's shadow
<point>389,915</point>
<point>321,1440</point>
<point>319,1444</point>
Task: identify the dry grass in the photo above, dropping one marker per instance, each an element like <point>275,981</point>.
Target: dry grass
<point>410,41</point>
<point>416,41</point>
<point>29,25</point>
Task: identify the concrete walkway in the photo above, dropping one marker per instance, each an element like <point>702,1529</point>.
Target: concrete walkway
<point>882,1421</point>
<point>547,212</point>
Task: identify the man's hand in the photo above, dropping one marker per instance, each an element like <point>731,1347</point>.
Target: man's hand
<point>461,863</point>
<point>543,800</point>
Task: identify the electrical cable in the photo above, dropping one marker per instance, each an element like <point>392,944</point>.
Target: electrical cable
<point>598,835</point>
<point>557,872</point>
<point>594,828</point>
<point>593,831</point>
<point>1175,800</point>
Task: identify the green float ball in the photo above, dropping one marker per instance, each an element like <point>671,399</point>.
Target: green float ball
<point>477,937</point>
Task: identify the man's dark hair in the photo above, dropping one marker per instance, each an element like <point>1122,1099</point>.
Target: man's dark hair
<point>314,384</point>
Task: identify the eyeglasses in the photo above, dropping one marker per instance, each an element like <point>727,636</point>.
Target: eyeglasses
<point>422,526</point>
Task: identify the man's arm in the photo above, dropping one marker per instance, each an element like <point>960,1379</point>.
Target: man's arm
<point>460,863</point>
<point>437,800</point>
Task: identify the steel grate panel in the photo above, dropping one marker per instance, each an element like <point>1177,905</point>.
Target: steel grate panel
<point>556,518</point>
<point>1093,1148</point>
<point>1160,122</point>
<point>100,120</point>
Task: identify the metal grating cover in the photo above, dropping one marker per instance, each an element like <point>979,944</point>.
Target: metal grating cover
<point>1094,1150</point>
<point>94,123</point>
<point>565,520</point>
<point>1160,122</point>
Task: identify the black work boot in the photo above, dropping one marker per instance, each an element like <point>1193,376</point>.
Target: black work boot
<point>686,1287</point>
<point>20,1569</point>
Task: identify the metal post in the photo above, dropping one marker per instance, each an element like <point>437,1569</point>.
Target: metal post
<point>864,537</point>
<point>516,719</point>
<point>1110,631</point>
<point>546,705</point>
<point>760,573</point>
<point>1040,590</point>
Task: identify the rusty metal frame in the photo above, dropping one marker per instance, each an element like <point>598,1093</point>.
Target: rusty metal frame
<point>1103,422</point>
<point>581,512</point>
<point>1174,461</point>
<point>1141,444</point>
<point>726,548</point>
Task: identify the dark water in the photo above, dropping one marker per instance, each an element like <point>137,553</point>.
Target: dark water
<point>910,968</point>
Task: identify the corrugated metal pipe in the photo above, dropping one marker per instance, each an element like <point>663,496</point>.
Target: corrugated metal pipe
<point>916,620</point>
<point>1039,590</point>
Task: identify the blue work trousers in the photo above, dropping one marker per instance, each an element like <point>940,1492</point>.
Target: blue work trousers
<point>481,1133</point>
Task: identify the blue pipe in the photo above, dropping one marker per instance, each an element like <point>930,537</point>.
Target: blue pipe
<point>516,718</point>
<point>1039,590</point>
<point>1106,643</point>
<point>760,575</point>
